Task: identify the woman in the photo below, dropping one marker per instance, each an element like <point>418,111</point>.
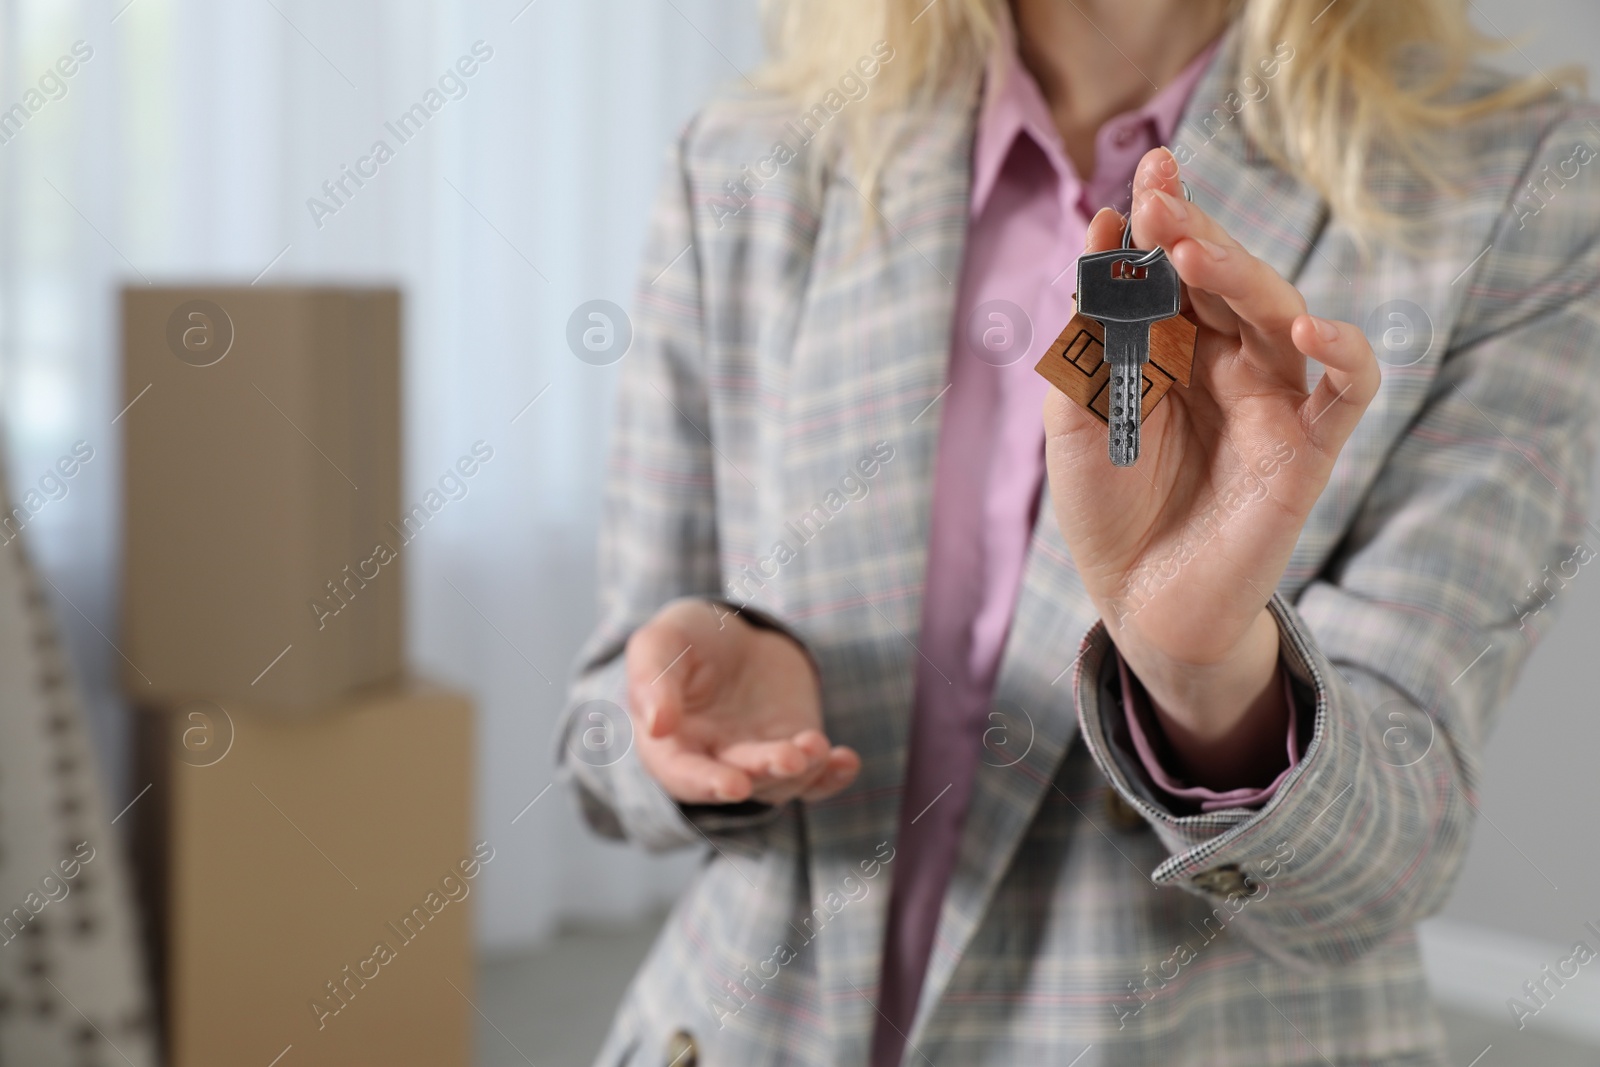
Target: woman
<point>1008,755</point>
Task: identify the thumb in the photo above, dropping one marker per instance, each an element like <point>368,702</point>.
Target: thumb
<point>659,662</point>
<point>1062,416</point>
<point>1105,231</point>
<point>663,710</point>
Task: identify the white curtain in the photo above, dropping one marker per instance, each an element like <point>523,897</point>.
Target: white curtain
<point>186,147</point>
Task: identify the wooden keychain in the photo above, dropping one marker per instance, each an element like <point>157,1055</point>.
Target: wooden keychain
<point>1076,365</point>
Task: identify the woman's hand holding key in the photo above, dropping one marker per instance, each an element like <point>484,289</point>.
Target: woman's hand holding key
<point>1181,552</point>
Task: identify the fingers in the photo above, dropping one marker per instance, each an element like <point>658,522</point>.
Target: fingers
<point>825,770</point>
<point>1207,257</point>
<point>1350,380</point>
<point>792,757</point>
<point>841,768</point>
<point>697,778</point>
<point>693,777</point>
<point>834,772</point>
<point>1253,292</point>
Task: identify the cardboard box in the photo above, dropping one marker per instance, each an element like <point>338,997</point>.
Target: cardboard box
<point>284,851</point>
<point>261,451</point>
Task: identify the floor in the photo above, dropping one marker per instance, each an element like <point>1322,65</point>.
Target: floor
<point>551,1008</point>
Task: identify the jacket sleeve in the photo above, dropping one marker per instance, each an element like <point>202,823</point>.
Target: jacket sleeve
<point>658,536</point>
<point>1408,642</point>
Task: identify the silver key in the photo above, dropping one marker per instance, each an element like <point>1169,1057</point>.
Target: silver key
<point>1127,290</point>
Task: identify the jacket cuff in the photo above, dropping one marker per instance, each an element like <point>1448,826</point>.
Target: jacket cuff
<point>1228,853</point>
<point>1139,730</point>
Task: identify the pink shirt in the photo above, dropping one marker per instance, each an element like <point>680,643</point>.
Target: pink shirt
<point>1029,218</point>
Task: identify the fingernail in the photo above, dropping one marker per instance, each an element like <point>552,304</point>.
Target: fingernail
<point>1173,205</point>
<point>1168,165</point>
<point>1214,250</point>
<point>1325,329</point>
<point>721,792</point>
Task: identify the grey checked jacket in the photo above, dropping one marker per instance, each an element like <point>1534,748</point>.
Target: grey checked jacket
<point>775,347</point>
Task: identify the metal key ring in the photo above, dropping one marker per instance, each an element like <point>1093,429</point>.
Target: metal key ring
<point>1156,252</point>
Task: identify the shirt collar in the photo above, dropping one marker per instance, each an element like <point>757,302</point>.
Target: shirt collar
<point>1013,104</point>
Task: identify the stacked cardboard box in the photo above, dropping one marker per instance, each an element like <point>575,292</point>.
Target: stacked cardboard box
<point>261,468</point>
<point>307,841</point>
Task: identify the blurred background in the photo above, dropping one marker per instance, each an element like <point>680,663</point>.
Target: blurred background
<point>192,144</point>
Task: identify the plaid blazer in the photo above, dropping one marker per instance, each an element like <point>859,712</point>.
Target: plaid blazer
<point>780,341</point>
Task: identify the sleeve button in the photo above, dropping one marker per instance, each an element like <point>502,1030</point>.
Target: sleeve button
<point>1224,881</point>
<point>1120,814</point>
<point>682,1050</point>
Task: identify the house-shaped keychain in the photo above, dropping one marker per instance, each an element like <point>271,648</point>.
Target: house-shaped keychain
<point>1076,364</point>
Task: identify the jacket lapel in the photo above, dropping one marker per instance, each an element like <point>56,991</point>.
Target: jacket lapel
<point>870,361</point>
<point>1034,720</point>
<point>1269,211</point>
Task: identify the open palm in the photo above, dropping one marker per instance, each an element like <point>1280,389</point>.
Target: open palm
<point>726,711</point>
<point>1181,551</point>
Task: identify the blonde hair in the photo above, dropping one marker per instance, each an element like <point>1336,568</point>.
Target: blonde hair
<point>1355,88</point>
